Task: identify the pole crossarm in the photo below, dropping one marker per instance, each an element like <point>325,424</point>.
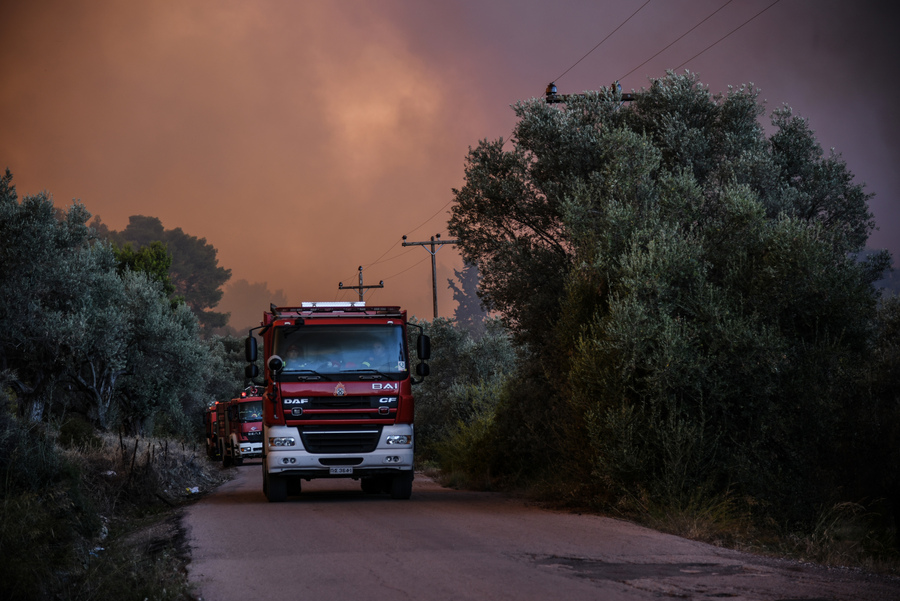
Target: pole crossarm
<point>552,97</point>
<point>361,288</point>
<point>434,242</point>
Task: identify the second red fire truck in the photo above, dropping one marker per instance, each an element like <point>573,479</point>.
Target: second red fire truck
<point>239,427</point>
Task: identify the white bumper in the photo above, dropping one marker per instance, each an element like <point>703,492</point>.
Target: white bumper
<point>386,458</point>
<point>248,449</point>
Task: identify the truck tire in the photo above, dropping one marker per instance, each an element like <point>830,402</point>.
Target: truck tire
<point>226,457</point>
<point>371,486</point>
<point>401,486</point>
<point>276,490</point>
<point>294,486</point>
<point>239,461</point>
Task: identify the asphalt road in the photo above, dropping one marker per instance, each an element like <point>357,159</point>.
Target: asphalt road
<point>336,543</point>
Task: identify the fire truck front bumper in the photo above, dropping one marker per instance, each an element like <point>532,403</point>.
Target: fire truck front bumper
<point>314,456</point>
<point>249,450</point>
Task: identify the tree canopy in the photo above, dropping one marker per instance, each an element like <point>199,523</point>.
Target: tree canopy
<point>194,270</point>
<point>88,330</point>
<point>687,288</point>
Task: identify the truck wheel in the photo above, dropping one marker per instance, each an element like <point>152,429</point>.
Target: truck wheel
<point>276,491</point>
<point>294,486</point>
<point>239,461</point>
<point>371,486</point>
<point>401,486</point>
<point>226,458</point>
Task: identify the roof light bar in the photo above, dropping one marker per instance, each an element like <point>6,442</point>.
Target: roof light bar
<point>333,305</point>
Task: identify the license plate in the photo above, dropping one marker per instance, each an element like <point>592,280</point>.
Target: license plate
<point>341,471</point>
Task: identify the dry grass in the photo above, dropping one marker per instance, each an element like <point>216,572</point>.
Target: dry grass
<point>144,472</point>
<point>105,520</point>
<point>846,534</point>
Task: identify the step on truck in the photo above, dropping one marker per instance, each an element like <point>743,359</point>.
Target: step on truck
<point>212,432</point>
<point>239,425</point>
<point>338,397</point>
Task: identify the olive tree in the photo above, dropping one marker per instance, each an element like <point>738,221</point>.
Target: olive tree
<point>86,329</point>
<point>687,289</point>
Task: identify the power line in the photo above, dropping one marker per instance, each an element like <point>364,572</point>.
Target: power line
<point>679,37</point>
<point>375,262</point>
<point>378,260</point>
<point>727,34</point>
<point>389,259</point>
<point>432,217</point>
<point>407,269</point>
<point>601,41</point>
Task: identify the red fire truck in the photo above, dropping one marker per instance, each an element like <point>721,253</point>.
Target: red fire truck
<point>338,401</point>
<point>239,427</point>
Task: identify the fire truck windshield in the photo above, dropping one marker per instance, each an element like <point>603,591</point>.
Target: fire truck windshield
<point>251,412</point>
<point>336,349</point>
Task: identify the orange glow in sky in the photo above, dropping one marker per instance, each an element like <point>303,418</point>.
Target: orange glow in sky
<point>302,139</point>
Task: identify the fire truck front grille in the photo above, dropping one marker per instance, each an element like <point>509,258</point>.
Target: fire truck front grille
<point>341,441</point>
<point>315,408</point>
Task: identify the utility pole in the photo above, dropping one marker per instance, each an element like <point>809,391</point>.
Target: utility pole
<point>361,288</point>
<point>432,252</point>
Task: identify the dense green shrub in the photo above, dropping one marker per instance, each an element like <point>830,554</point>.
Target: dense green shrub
<point>76,431</point>
<point>44,512</point>
<point>462,391</point>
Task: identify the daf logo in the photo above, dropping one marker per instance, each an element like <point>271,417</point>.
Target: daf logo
<point>384,386</point>
<point>296,401</point>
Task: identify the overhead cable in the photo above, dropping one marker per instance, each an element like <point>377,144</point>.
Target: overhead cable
<point>407,269</point>
<point>601,41</point>
<point>679,37</point>
<point>432,217</point>
<point>727,34</point>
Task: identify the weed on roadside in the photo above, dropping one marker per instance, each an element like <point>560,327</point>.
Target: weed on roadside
<point>97,520</point>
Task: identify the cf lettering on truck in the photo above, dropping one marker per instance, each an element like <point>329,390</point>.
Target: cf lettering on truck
<point>338,401</point>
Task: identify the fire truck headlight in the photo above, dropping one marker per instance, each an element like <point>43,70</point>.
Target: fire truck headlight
<point>398,439</point>
<point>281,441</point>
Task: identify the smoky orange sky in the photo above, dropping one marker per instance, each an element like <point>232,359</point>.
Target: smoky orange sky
<point>302,139</point>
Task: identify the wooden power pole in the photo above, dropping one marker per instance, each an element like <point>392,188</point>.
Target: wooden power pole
<point>435,246</point>
<point>361,288</point>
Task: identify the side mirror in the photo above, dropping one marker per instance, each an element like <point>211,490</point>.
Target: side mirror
<point>423,347</point>
<point>422,370</point>
<point>250,349</point>
<point>275,364</point>
<point>251,371</point>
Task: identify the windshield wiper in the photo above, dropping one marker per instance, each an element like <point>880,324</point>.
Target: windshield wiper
<point>313,374</point>
<point>367,374</point>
